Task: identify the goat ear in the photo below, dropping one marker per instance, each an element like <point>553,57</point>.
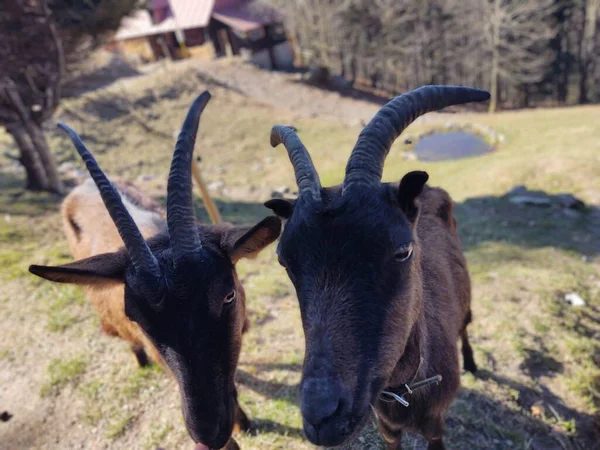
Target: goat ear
<point>409,189</point>
<point>99,270</point>
<point>247,242</point>
<point>282,207</point>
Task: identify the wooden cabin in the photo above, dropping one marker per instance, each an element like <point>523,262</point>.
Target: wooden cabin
<point>179,28</point>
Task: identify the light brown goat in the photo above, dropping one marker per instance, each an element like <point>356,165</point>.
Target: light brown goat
<point>90,231</point>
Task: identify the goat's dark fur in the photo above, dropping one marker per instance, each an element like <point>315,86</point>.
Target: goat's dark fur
<point>375,315</point>
<point>176,310</point>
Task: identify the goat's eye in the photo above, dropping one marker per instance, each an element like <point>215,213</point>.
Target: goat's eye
<point>403,253</point>
<point>229,298</point>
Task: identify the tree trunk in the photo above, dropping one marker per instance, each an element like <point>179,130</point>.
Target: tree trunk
<point>525,94</point>
<point>561,66</point>
<point>36,175</point>
<point>41,146</point>
<point>495,57</point>
<point>353,69</point>
<point>562,83</point>
<point>587,48</point>
<point>38,142</point>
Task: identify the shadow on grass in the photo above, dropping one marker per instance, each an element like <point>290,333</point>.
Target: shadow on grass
<point>270,389</point>
<point>101,77</point>
<point>584,434</point>
<point>294,367</point>
<point>481,220</point>
<point>475,420</point>
<point>275,391</point>
<point>540,363</point>
<point>345,90</point>
<point>378,97</point>
<point>269,426</point>
<point>15,199</point>
<point>581,324</point>
<point>211,81</point>
<point>496,219</point>
<point>235,212</point>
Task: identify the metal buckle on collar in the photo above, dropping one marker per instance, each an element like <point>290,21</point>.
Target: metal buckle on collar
<point>409,390</point>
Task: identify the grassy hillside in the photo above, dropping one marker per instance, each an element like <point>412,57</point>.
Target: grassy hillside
<point>69,386</point>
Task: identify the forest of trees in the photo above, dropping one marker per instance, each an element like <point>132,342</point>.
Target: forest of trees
<point>526,52</point>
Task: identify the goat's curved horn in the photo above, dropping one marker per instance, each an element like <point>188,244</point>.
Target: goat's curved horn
<point>307,177</point>
<point>139,252</point>
<point>365,166</point>
<point>183,231</point>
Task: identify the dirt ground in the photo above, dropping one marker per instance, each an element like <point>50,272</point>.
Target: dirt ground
<point>68,386</point>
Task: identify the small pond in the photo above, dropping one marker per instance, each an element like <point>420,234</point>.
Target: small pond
<point>450,145</point>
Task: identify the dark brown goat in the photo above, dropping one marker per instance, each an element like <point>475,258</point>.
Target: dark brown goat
<point>173,291</point>
<point>382,284</point>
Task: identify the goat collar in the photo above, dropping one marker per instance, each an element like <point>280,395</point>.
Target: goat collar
<point>390,395</point>
<point>397,394</point>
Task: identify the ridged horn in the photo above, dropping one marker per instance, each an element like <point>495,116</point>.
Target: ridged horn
<point>141,257</point>
<point>181,221</point>
<point>365,166</point>
<point>307,177</point>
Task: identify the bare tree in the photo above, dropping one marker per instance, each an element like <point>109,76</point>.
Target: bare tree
<point>32,62</point>
<point>587,48</point>
<point>517,38</point>
<point>310,24</point>
<point>30,77</point>
<point>523,51</point>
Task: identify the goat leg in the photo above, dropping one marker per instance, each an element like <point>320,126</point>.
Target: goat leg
<point>432,428</point>
<point>391,435</point>
<point>467,351</point>
<point>231,445</point>
<point>140,355</point>
<point>436,444</point>
<point>241,423</point>
<point>396,445</point>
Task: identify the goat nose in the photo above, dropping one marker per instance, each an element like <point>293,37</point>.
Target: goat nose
<point>320,399</point>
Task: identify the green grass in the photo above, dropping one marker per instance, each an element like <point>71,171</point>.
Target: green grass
<point>64,307</point>
<point>158,435</point>
<point>530,344</point>
<point>7,354</point>
<point>119,421</point>
<point>61,373</point>
<point>143,379</point>
<point>91,391</point>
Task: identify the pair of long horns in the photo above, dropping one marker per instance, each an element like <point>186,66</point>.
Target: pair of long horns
<point>365,166</point>
<point>183,232</point>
